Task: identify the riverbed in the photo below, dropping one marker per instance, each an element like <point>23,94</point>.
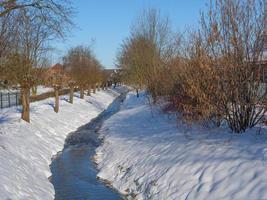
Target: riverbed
<point>74,174</point>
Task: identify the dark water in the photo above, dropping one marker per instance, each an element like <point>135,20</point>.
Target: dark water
<point>73,172</point>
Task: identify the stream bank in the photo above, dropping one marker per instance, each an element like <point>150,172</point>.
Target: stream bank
<point>74,174</point>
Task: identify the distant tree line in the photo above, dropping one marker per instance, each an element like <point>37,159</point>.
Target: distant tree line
<point>212,74</point>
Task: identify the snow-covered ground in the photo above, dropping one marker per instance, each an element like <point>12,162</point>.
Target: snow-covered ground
<point>42,89</point>
<point>26,149</point>
<point>146,154</point>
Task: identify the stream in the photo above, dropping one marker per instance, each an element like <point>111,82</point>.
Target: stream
<point>74,174</point>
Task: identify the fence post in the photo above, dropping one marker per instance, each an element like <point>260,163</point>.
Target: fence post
<point>9,105</point>
<point>1,96</point>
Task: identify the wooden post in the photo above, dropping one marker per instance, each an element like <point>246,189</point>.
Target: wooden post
<point>9,104</point>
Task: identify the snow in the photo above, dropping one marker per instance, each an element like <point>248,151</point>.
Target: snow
<point>147,154</point>
<point>26,149</point>
<point>40,90</point>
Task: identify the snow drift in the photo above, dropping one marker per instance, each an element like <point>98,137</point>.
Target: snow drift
<point>26,149</point>
<point>146,155</point>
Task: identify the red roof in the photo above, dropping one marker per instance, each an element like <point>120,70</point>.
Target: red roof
<point>57,68</point>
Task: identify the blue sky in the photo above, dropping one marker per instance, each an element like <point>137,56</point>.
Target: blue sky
<point>108,22</point>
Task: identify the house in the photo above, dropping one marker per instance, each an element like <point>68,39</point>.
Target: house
<point>57,69</point>
<point>56,72</point>
<point>113,76</point>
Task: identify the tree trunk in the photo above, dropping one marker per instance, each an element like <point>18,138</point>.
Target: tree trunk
<point>89,90</point>
<point>71,94</point>
<point>94,88</point>
<point>25,100</point>
<point>81,92</point>
<point>34,90</point>
<point>98,87</point>
<point>56,107</point>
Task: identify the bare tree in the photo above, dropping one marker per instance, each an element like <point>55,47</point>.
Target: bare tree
<point>135,61</point>
<point>222,75</point>
<point>146,53</point>
<point>233,32</point>
<point>51,12</point>
<point>84,68</point>
<point>95,74</point>
<point>34,28</point>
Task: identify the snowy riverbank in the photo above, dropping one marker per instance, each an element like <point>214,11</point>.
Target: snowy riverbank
<point>146,155</point>
<point>26,149</point>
